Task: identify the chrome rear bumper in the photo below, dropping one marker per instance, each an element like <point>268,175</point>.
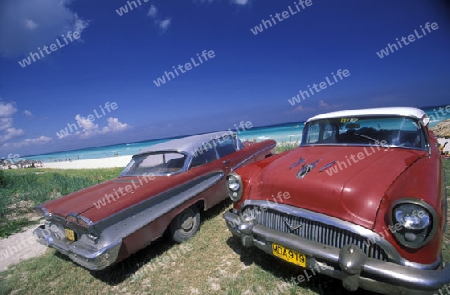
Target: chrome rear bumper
<point>87,256</point>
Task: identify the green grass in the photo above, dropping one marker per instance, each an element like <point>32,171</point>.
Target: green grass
<point>21,190</point>
<point>286,146</point>
<point>216,263</point>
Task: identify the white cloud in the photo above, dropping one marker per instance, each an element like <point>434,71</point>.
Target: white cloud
<point>7,109</point>
<point>164,24</point>
<point>300,109</point>
<point>240,2</point>
<point>26,25</point>
<point>29,24</point>
<point>28,114</point>
<point>5,123</point>
<point>79,25</point>
<point>323,103</point>
<point>152,12</point>
<point>29,141</point>
<point>85,123</point>
<point>115,126</point>
<point>90,129</point>
<point>11,133</point>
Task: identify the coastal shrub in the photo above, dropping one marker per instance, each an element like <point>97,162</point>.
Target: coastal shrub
<point>286,146</point>
<point>2,179</point>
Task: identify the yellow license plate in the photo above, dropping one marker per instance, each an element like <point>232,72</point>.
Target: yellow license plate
<point>289,255</point>
<point>70,234</point>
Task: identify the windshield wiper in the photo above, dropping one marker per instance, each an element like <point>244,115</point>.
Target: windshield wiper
<point>368,137</point>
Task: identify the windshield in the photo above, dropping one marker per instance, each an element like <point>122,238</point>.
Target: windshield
<point>162,163</point>
<point>391,131</point>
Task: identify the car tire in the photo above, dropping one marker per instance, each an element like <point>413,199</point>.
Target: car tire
<point>185,224</point>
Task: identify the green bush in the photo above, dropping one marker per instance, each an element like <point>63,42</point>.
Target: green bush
<point>2,179</point>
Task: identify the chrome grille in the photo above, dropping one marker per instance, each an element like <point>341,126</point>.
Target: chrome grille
<point>313,231</point>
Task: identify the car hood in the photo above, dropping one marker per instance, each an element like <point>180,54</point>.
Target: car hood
<point>341,181</point>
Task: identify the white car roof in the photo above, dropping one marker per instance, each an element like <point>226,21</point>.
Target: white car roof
<point>186,144</point>
<point>395,111</point>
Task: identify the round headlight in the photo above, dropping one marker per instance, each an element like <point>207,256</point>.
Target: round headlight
<point>413,222</point>
<point>412,217</point>
<point>234,186</point>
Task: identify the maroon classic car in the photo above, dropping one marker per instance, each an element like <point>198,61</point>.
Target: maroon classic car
<point>163,188</point>
<point>362,199</point>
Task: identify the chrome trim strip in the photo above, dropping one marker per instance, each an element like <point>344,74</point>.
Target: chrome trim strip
<point>300,161</point>
<point>60,219</point>
<point>251,157</point>
<point>327,166</point>
<point>390,250</point>
<point>45,211</point>
<point>133,218</point>
<point>158,197</point>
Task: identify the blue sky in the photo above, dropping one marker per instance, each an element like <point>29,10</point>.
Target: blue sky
<point>251,77</point>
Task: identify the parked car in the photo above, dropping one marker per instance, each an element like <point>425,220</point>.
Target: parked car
<point>163,188</point>
<point>362,199</point>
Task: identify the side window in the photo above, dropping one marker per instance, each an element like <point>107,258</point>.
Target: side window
<point>240,145</point>
<point>204,155</point>
<point>313,133</point>
<point>225,145</point>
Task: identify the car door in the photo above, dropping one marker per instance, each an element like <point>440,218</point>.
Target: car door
<point>227,152</point>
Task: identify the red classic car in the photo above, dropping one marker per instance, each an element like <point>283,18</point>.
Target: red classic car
<point>362,199</point>
<point>163,188</point>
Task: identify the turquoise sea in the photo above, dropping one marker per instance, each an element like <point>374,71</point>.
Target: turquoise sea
<point>289,132</point>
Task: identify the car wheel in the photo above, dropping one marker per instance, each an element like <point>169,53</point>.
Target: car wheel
<point>185,224</point>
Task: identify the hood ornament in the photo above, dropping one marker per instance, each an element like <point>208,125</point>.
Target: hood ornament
<point>306,168</point>
<point>291,227</point>
<point>301,160</point>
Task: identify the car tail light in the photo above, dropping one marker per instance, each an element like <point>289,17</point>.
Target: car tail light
<point>84,222</point>
<point>78,219</point>
<point>71,219</point>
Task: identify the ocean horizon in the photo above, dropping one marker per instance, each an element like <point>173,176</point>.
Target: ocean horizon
<point>282,133</point>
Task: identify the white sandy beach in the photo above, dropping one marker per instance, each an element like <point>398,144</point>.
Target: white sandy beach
<point>112,162</point>
<point>122,161</point>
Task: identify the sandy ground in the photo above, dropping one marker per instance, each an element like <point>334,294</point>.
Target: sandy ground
<point>121,161</point>
<point>19,247</point>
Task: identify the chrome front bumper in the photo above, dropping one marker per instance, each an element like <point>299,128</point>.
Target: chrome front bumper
<point>349,264</point>
<point>87,256</point>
